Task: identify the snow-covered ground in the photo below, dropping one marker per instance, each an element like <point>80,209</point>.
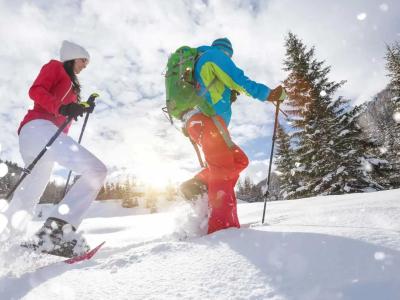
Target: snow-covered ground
<point>336,247</point>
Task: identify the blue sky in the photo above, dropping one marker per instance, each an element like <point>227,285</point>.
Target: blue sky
<point>129,42</point>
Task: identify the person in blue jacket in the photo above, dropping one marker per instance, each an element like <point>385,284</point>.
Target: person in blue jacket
<point>219,81</point>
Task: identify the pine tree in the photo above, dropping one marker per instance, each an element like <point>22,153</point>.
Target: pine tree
<point>310,93</point>
<point>392,126</point>
<point>247,185</point>
<point>284,164</point>
<point>101,194</point>
<point>239,187</point>
<point>393,66</point>
<point>11,178</point>
<point>327,143</point>
<point>359,162</point>
<point>248,191</point>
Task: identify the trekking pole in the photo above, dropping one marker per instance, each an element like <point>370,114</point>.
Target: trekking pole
<point>29,169</point>
<point>270,159</point>
<point>90,101</point>
<point>285,114</point>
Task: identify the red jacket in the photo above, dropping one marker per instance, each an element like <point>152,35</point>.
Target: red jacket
<point>51,89</point>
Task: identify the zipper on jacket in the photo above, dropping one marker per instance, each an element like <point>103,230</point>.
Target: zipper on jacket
<point>62,99</point>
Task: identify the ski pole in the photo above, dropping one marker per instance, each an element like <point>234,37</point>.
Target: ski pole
<point>270,159</point>
<point>90,101</point>
<point>28,170</point>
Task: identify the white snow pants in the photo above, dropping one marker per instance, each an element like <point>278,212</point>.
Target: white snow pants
<point>67,153</point>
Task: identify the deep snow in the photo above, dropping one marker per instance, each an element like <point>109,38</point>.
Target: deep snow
<point>336,247</point>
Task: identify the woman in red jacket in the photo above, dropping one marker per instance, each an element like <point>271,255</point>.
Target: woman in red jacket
<point>56,96</point>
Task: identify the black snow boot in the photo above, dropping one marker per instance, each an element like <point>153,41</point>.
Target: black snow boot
<point>58,237</point>
<point>192,189</point>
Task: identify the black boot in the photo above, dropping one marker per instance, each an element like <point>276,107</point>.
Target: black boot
<point>193,188</point>
<point>58,237</point>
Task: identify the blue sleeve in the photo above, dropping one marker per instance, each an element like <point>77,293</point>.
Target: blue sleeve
<point>232,76</point>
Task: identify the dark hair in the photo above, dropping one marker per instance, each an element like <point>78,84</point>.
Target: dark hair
<point>76,86</point>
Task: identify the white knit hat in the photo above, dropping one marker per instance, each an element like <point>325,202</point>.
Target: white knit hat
<point>70,51</point>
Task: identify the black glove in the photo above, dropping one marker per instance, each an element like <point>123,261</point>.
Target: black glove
<point>72,110</point>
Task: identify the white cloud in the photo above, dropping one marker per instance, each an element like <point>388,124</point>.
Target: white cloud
<point>129,42</point>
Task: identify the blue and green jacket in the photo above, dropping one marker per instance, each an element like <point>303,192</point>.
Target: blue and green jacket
<point>213,63</point>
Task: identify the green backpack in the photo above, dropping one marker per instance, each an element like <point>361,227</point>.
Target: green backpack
<point>180,84</point>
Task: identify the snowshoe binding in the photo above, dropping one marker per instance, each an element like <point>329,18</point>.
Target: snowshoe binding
<point>58,237</point>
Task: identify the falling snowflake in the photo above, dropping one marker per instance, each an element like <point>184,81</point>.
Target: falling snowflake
<point>63,209</point>
<point>74,148</point>
<point>396,117</point>
<point>3,170</point>
<point>322,93</point>
<point>379,255</point>
<point>367,166</point>
<point>384,7</point>
<point>362,16</point>
<point>383,150</point>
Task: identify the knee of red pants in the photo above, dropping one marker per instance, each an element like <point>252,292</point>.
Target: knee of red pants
<point>240,158</point>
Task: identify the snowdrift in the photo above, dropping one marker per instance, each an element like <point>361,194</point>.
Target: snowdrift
<point>336,247</point>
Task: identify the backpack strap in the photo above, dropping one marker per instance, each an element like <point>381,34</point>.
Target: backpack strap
<point>223,132</point>
<point>196,148</point>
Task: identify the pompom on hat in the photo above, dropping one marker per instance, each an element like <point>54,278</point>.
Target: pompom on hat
<point>70,51</point>
<point>223,44</point>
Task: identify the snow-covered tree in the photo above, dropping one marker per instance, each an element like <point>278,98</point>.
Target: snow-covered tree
<point>10,178</point>
<point>359,161</point>
<point>328,147</point>
<point>284,164</point>
<point>393,66</point>
<point>248,191</point>
<point>381,133</point>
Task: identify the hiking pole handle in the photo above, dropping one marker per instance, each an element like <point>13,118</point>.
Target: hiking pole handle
<point>29,169</point>
<point>90,101</point>
<point>92,98</point>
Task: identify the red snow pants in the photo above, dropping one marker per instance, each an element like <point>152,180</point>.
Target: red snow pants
<point>224,165</point>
